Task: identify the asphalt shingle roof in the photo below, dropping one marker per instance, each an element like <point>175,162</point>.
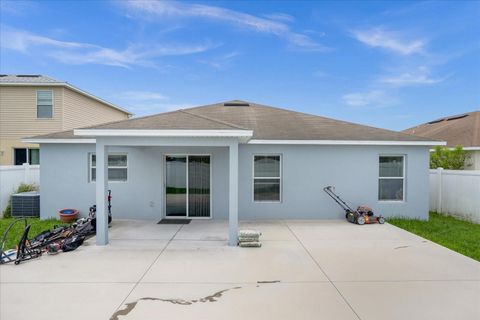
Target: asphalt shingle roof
<point>462,129</point>
<point>26,78</point>
<point>267,123</point>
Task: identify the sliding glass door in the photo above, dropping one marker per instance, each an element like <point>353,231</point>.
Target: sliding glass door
<point>187,186</point>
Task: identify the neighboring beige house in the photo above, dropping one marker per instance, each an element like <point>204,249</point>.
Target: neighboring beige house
<point>36,104</point>
<point>462,129</point>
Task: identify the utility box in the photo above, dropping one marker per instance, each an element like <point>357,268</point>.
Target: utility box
<point>26,204</point>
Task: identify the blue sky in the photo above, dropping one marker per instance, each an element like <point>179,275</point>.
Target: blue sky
<point>386,64</point>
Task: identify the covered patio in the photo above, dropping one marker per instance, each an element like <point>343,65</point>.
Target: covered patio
<point>305,268</point>
<point>106,139</point>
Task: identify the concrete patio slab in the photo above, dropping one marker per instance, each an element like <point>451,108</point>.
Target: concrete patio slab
<point>89,263</point>
<point>439,300</point>
<point>390,260</point>
<point>214,261</point>
<point>342,230</point>
<point>142,229</point>
<point>47,301</point>
<point>217,230</point>
<point>237,301</point>
<point>305,270</point>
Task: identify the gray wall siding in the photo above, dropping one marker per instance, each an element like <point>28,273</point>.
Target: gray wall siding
<point>353,170</point>
<point>64,180</point>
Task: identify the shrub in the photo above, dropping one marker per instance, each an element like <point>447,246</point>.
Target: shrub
<point>23,187</point>
<point>446,158</point>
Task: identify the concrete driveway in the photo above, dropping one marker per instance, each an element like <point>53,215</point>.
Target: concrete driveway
<point>305,270</point>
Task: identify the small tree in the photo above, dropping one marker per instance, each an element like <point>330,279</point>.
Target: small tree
<point>443,157</point>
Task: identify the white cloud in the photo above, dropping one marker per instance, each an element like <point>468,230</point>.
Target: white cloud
<point>274,26</point>
<point>419,76</point>
<point>221,62</point>
<point>372,98</point>
<point>280,17</point>
<point>389,40</point>
<point>86,53</point>
<point>142,95</point>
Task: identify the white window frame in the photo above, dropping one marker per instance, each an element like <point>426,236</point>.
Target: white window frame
<point>280,177</point>
<point>28,155</point>
<point>90,167</point>
<point>404,177</point>
<point>53,105</point>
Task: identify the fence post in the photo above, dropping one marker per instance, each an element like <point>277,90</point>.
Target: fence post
<point>26,173</point>
<point>439,190</point>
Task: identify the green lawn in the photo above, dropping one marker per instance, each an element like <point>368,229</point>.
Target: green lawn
<point>15,233</point>
<point>458,235</point>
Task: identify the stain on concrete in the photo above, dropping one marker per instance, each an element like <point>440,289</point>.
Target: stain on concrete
<point>268,281</point>
<point>401,247</point>
<point>131,305</point>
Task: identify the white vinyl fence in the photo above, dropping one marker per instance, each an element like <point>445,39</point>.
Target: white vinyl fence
<point>12,176</point>
<point>456,192</point>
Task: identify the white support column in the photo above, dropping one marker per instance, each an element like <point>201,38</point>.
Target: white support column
<point>233,195</point>
<point>101,185</point>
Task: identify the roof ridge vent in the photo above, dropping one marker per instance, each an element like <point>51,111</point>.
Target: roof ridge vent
<point>236,104</point>
<point>436,121</point>
<point>458,117</point>
<point>28,75</point>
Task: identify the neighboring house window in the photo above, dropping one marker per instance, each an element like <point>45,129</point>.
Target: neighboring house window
<point>391,183</point>
<point>267,178</point>
<point>44,104</point>
<point>26,155</point>
<point>117,167</point>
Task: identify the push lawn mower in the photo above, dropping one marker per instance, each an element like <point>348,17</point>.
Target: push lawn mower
<point>363,214</point>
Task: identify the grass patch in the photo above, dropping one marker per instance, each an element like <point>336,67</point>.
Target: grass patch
<point>457,235</point>
<point>16,232</point>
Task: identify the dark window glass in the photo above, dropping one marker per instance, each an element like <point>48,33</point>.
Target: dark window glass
<point>20,156</point>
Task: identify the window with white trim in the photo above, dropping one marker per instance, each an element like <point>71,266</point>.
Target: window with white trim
<point>117,167</point>
<point>26,155</point>
<point>45,104</point>
<point>391,178</point>
<point>267,178</point>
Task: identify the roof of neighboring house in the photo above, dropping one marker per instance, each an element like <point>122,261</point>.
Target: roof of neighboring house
<point>41,80</point>
<point>267,123</point>
<point>462,129</point>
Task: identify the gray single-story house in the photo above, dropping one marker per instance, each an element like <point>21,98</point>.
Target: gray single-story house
<point>232,160</point>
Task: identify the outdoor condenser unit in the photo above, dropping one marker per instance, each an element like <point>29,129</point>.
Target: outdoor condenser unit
<point>26,204</point>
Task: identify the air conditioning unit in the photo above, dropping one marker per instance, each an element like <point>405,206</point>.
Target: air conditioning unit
<point>26,204</point>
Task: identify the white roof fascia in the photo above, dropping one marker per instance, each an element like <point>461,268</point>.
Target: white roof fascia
<point>350,142</point>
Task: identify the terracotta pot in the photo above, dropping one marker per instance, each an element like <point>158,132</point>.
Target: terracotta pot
<point>68,215</point>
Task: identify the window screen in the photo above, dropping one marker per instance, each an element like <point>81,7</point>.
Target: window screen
<point>391,178</point>
<point>267,178</point>
<point>117,167</point>
<point>44,104</point>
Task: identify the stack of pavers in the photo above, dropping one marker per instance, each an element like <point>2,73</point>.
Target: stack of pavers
<point>249,238</point>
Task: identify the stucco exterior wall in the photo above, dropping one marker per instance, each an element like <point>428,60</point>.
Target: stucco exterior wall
<point>353,170</point>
